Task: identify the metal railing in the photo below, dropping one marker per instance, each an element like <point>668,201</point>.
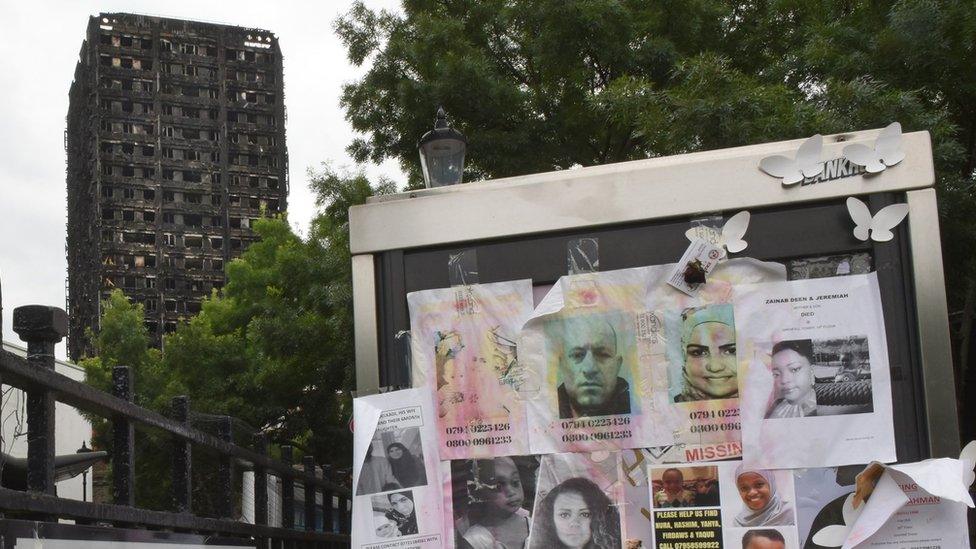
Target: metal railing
<point>41,327</point>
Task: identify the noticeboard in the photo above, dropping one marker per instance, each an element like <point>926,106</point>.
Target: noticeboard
<point>639,212</point>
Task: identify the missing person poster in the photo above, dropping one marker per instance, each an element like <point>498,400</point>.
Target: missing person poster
<point>900,514</point>
<point>635,464</point>
<point>397,497</point>
<point>816,391</point>
<point>577,502</point>
<point>463,343</point>
<point>721,505</point>
<point>923,520</point>
<point>621,359</point>
<point>591,387</point>
<point>692,343</point>
<point>488,503</point>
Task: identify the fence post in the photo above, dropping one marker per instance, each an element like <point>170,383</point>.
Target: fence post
<point>225,471</point>
<point>260,482</point>
<point>308,463</point>
<point>327,515</point>
<point>41,327</point>
<point>123,446</point>
<point>344,526</point>
<point>287,490</point>
<point>182,459</point>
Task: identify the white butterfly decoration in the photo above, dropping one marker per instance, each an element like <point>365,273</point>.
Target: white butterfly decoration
<point>836,534</point>
<point>878,227</point>
<point>793,170</point>
<point>729,237</point>
<point>968,456</point>
<point>886,152</point>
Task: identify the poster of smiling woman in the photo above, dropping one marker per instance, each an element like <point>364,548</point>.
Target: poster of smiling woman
<point>816,390</point>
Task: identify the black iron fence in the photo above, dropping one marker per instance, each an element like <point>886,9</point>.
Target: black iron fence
<point>41,328</point>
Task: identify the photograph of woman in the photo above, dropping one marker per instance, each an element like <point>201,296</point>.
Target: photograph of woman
<point>793,378</point>
<point>709,370</point>
<point>375,475</point>
<point>576,514</point>
<point>402,512</point>
<point>764,505</point>
<point>490,497</point>
<point>407,468</point>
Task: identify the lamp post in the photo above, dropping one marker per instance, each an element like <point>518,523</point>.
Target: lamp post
<point>84,474</point>
<point>442,153</point>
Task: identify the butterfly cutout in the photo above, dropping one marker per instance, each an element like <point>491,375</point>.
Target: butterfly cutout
<point>968,456</point>
<point>878,227</point>
<point>793,170</point>
<point>886,152</point>
<point>729,237</point>
<point>836,534</point>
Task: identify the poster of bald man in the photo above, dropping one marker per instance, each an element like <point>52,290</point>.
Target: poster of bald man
<point>580,349</point>
<point>592,371</point>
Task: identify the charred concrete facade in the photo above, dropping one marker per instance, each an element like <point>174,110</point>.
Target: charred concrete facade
<point>176,144</point>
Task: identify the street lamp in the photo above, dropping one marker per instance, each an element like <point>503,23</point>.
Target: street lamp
<point>84,474</point>
<point>442,153</point>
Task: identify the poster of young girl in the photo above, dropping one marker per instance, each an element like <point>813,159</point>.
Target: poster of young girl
<point>488,502</point>
<point>463,351</point>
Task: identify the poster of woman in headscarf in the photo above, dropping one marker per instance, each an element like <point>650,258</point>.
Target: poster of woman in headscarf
<point>463,350</point>
<point>397,499</point>
<point>694,340</point>
<point>702,372</point>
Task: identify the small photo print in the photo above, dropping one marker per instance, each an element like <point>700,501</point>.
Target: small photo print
<point>594,356</point>
<point>394,460</point>
<point>762,538</point>
<point>493,500</point>
<point>695,486</point>
<point>820,377</point>
<point>758,498</point>
<point>394,515</point>
<point>701,354</point>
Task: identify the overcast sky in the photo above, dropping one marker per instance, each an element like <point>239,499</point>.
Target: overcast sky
<point>38,54</point>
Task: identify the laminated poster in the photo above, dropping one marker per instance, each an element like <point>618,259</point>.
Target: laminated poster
<point>397,497</point>
<point>463,352</point>
<point>721,505</point>
<point>488,503</point>
<point>621,359</point>
<point>815,378</point>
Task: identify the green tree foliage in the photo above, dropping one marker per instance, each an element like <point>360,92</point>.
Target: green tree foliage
<point>274,349</point>
<point>539,85</point>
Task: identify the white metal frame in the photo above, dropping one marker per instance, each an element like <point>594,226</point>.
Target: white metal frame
<point>676,186</point>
